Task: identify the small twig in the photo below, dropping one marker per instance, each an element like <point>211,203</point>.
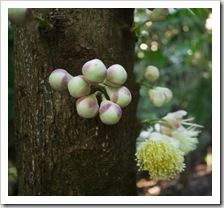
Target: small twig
<point>191,11</point>
<point>43,22</point>
<point>152,121</point>
<point>144,84</point>
<point>137,27</point>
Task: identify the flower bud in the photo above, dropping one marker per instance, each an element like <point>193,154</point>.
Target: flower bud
<point>159,96</point>
<point>59,79</point>
<point>173,120</point>
<point>159,14</point>
<point>87,106</point>
<point>78,87</point>
<point>168,94</point>
<point>116,75</point>
<point>120,95</point>
<point>151,73</point>
<point>94,71</point>
<point>110,113</point>
<point>20,16</point>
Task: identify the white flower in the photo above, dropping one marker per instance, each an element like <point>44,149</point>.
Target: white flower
<point>145,133</point>
<point>158,96</point>
<point>155,136</point>
<point>175,120</point>
<point>187,138</point>
<point>159,157</point>
<point>173,126</point>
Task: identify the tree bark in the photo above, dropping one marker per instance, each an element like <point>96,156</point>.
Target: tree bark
<point>59,153</point>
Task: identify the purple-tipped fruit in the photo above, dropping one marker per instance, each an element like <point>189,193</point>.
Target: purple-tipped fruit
<point>151,73</point>
<point>59,79</point>
<point>78,87</point>
<point>120,95</point>
<point>110,113</point>
<point>116,75</point>
<point>94,71</point>
<point>168,94</point>
<point>87,106</point>
<point>20,16</point>
<point>158,96</point>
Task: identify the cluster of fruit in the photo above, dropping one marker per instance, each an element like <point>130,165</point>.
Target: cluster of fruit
<point>158,96</point>
<point>98,90</point>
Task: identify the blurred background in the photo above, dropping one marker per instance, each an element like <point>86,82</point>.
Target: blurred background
<point>181,48</point>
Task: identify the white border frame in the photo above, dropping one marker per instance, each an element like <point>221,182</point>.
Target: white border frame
<point>214,199</point>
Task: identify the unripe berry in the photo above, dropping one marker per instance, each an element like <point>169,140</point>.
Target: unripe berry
<point>120,95</point>
<point>169,95</point>
<point>116,75</point>
<point>110,113</point>
<point>94,71</point>
<point>59,79</point>
<point>87,106</point>
<point>20,16</point>
<point>151,73</point>
<point>159,96</point>
<point>78,87</point>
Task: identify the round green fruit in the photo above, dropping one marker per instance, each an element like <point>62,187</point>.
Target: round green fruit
<point>116,75</point>
<point>110,113</point>
<point>94,71</point>
<point>120,95</point>
<point>87,106</point>
<point>59,79</point>
<point>78,87</point>
<point>151,73</point>
<point>158,96</point>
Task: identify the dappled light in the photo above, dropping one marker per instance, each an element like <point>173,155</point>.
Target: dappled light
<point>180,47</point>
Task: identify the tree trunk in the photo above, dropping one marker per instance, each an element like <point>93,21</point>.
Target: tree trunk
<point>59,153</point>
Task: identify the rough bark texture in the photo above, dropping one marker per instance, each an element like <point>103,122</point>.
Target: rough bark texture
<point>59,153</point>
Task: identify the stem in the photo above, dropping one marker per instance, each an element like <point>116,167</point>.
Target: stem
<point>43,22</point>
<point>45,17</point>
<point>103,97</point>
<point>101,85</point>
<point>97,93</point>
<point>146,85</point>
<point>142,83</point>
<point>151,122</point>
<point>135,28</point>
<point>191,11</point>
